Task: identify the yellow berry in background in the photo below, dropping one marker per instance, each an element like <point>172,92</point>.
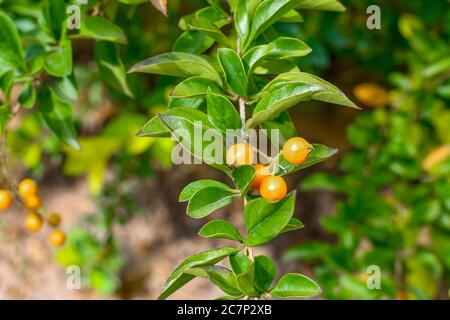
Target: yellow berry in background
<point>32,202</point>
<point>57,238</point>
<point>240,154</point>
<point>5,199</point>
<point>371,95</point>
<point>27,188</point>
<point>54,219</point>
<point>33,222</point>
<point>296,150</point>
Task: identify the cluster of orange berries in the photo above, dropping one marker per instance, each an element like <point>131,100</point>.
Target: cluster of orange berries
<point>28,193</point>
<point>271,187</point>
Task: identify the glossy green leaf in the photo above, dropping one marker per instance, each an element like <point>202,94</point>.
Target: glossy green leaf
<point>156,127</point>
<point>222,114</point>
<point>220,276</point>
<point>178,64</point>
<point>295,285</point>
<point>58,63</point>
<point>281,48</point>
<point>99,28</point>
<point>265,272</point>
<point>240,263</point>
<point>57,114</point>
<point>292,17</point>
<point>210,29</point>
<point>280,98</point>
<point>242,18</point>
<point>327,5</point>
<point>205,258</point>
<point>233,68</point>
<point>175,285</point>
<point>208,200</point>
<point>193,41</point>
<point>55,17</point>
<point>293,224</point>
<point>11,51</point>
<point>243,177</point>
<point>319,154</point>
<point>111,66</point>
<point>220,229</point>
<point>282,125</point>
<point>191,189</point>
<point>195,87</point>
<point>265,220</point>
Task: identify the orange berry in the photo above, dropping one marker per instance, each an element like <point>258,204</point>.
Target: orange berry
<point>262,171</point>
<point>57,238</point>
<point>33,222</point>
<point>5,199</point>
<point>32,202</point>
<point>296,150</point>
<point>240,154</point>
<point>54,219</point>
<point>273,188</point>
<point>371,95</point>
<point>27,188</point>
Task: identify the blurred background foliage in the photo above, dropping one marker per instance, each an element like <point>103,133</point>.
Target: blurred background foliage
<point>393,185</point>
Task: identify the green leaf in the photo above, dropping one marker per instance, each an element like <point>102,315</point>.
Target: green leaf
<point>233,68</point>
<point>293,224</point>
<point>191,189</point>
<point>27,96</point>
<point>193,41</point>
<point>437,68</point>
<point>156,128</point>
<point>327,5</point>
<point>242,18</point>
<point>175,285</point>
<point>275,67</point>
<point>111,66</point>
<point>295,285</point>
<point>178,64</point>
<point>292,17</point>
<point>282,125</point>
<point>243,177</point>
<point>280,98</point>
<point>197,138</point>
<point>267,13</point>
<point>55,16</point>
<point>201,259</point>
<point>220,229</point>
<point>221,112</point>
<point>332,94</point>
<point>319,154</point>
<point>11,51</point>
<point>208,200</point>
<point>58,63</point>
<point>281,48</point>
<point>265,272</point>
<point>265,220</point>
<point>208,28</point>
<point>323,181</point>
<point>195,87</point>
<point>99,28</point>
<point>220,276</point>
<point>57,114</point>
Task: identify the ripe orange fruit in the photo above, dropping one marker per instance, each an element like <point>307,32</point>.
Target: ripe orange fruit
<point>296,150</point>
<point>57,238</point>
<point>240,154</point>
<point>5,199</point>
<point>273,188</point>
<point>33,222</point>
<point>27,188</point>
<point>371,95</point>
<point>262,171</point>
<point>32,202</point>
<point>54,219</point>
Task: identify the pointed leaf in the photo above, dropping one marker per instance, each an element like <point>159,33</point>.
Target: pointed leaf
<point>221,112</point>
<point>220,229</point>
<point>99,28</point>
<point>208,200</point>
<point>235,75</point>
<point>265,272</point>
<point>295,285</point>
<point>293,224</point>
<point>11,50</point>
<point>208,28</point>
<point>191,189</point>
<point>243,178</point>
<point>195,87</point>
<point>327,5</point>
<point>220,276</point>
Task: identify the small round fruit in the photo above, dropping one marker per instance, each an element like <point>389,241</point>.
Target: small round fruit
<point>57,238</point>
<point>273,188</point>
<point>54,219</point>
<point>32,202</point>
<point>33,222</point>
<point>296,150</point>
<point>5,199</point>
<point>27,188</point>
<point>240,154</point>
<point>262,172</point>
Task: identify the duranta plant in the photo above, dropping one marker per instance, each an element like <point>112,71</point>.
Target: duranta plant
<point>396,184</point>
<point>240,74</point>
